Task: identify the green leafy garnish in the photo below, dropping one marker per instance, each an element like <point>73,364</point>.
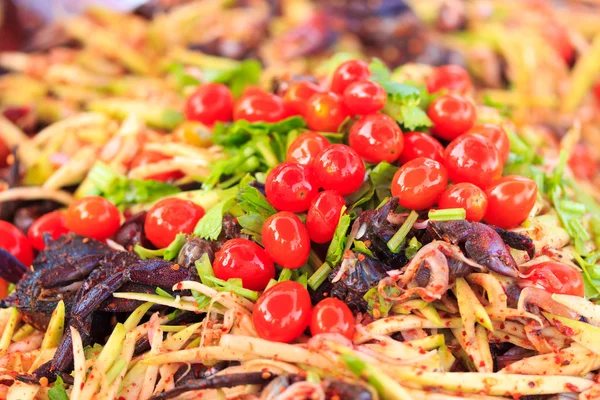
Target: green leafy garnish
<point>257,209</point>
<point>396,242</point>
<point>210,226</point>
<point>245,74</point>
<point>173,249</point>
<point>376,189</point>
<point>338,243</point>
<point>319,276</point>
<point>378,306</point>
<point>413,246</point>
<point>163,293</point>
<point>57,391</point>
<point>361,247</point>
<point>145,253</point>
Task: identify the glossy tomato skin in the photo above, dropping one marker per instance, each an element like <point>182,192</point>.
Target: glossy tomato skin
<point>283,312</point>
<point>297,95</point>
<point>265,107</point>
<point>473,158</point>
<point>582,162</point>
<point>451,115</point>
<point>4,152</point>
<point>325,112</point>
<point>53,223</point>
<point>151,157</point>
<point>419,144</point>
<point>290,187</point>
<point>510,200</point>
<point>376,138</point>
<point>347,73</point>
<point>339,168</point>
<point>419,183</point>
<point>452,78</point>
<point>364,97</point>
<point>244,259</point>
<point>332,315</point>
<point>93,216</point>
<point>13,241</point>
<point>468,196</point>
<point>210,103</point>
<point>556,277</point>
<point>169,217</point>
<point>286,240</point>
<point>495,134</point>
<point>306,147</point>
<point>324,215</point>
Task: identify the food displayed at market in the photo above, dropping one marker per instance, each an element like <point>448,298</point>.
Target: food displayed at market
<point>178,224</point>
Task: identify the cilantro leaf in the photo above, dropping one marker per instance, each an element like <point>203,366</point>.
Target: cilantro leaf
<point>241,131</point>
<point>361,247</point>
<point>381,177</point>
<point>246,73</point>
<point>210,226</point>
<point>379,71</point>
<point>414,118</point>
<point>338,243</point>
<point>257,209</point>
<point>57,391</point>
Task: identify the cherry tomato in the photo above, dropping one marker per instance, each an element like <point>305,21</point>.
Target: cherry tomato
<point>290,187</point>
<point>339,168</point>
<point>556,277</point>
<point>510,200</point>
<point>265,107</point>
<point>3,288</point>
<point>210,103</point>
<point>419,144</point>
<point>325,112</point>
<point>286,240</point>
<point>250,91</point>
<point>556,34</point>
<point>451,115</point>
<point>468,196</point>
<point>582,163</point>
<point>596,90</point>
<point>324,215</point>
<point>13,241</point>
<point>376,138</point>
<point>244,259</point>
<point>450,77</point>
<point>93,216</point>
<point>364,97</point>
<point>473,158</point>
<point>419,183</point>
<point>306,147</point>
<point>4,152</point>
<point>297,96</point>
<point>151,157</point>
<point>497,136</point>
<point>332,316</point>
<point>347,73</point>
<point>53,223</point>
<point>169,217</point>
<point>282,313</point>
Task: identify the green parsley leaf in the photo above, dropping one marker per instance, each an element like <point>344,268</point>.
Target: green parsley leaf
<point>246,73</point>
<point>413,118</point>
<point>361,247</point>
<point>338,243</point>
<point>379,71</point>
<point>57,391</point>
<point>253,201</point>
<point>210,226</point>
<point>240,132</point>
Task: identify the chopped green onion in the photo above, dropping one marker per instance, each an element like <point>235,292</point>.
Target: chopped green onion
<point>319,276</point>
<point>413,246</point>
<point>285,275</point>
<point>173,249</point>
<point>560,167</point>
<point>201,300</point>
<point>397,240</point>
<point>175,314</point>
<point>572,207</point>
<point>234,288</point>
<point>449,214</point>
<point>145,253</point>
<point>164,293</point>
<point>303,280</point>
<point>204,269</point>
<point>271,283</point>
<point>361,247</point>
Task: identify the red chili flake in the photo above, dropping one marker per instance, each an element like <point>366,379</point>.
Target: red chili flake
<point>506,337</point>
<point>481,364</point>
<point>502,326</point>
<point>85,240</point>
<point>175,267</point>
<point>179,286</point>
<point>361,257</point>
<point>422,350</point>
<point>572,387</point>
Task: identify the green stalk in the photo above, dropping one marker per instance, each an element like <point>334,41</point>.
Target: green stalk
<point>285,275</point>
<point>229,287</point>
<point>103,177</point>
<point>449,214</point>
<point>205,270</point>
<point>319,276</point>
<point>145,253</point>
<point>161,292</point>
<point>173,249</point>
<point>397,240</point>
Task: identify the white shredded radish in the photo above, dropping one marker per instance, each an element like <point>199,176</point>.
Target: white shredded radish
<point>79,371</point>
<point>76,122</point>
<point>73,171</point>
<point>36,193</point>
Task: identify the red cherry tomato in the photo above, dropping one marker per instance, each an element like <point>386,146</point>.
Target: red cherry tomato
<point>324,215</point>
<point>290,187</point>
<point>557,35</point>
<point>250,91</point>
<point>510,200</point>
<point>210,103</point>
<point>4,152</point>
<point>473,158</point>
<point>497,136</point>
<point>419,144</point>
<point>451,115</point>
<point>325,112</point>
<point>450,77</point>
<point>596,90</point>
<point>151,157</point>
<point>419,183</point>
<point>93,216</point>
<point>364,97</point>
<point>347,73</point>
<point>376,138</point>
<point>297,96</point>
<point>582,163</point>
<point>260,107</point>
<point>3,288</point>
<point>556,277</point>
<point>244,259</point>
<point>468,196</point>
<point>332,316</point>
<point>306,147</point>
<point>286,240</point>
<point>282,313</point>
<point>53,223</point>
<point>169,217</point>
<point>339,168</point>
<point>13,241</point>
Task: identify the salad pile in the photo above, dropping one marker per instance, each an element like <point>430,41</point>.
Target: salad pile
<point>353,234</point>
